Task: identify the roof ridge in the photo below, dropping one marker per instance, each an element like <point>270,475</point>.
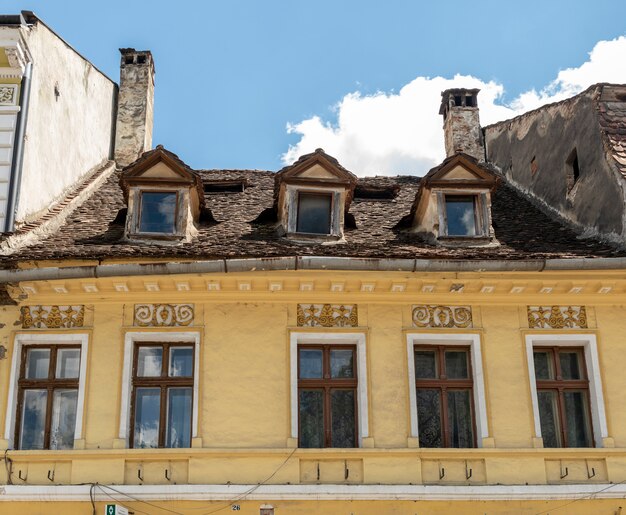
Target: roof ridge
<point>56,214</point>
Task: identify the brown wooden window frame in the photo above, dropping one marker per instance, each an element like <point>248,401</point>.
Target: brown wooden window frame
<point>164,382</point>
<point>330,211</point>
<point>444,384</point>
<point>327,384</point>
<point>50,384</point>
<point>561,385</point>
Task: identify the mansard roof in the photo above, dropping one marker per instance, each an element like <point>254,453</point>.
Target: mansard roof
<point>95,229</point>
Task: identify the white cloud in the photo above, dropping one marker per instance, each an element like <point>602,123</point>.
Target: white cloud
<point>401,133</point>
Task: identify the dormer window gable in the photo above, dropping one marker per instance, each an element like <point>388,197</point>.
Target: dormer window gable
<point>164,197</point>
<point>453,204</point>
<point>312,197</point>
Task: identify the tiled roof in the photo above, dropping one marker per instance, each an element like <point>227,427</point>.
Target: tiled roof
<point>95,229</point>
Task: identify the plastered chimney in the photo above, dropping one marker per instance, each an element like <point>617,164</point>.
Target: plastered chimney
<point>461,125</point>
<point>135,106</point>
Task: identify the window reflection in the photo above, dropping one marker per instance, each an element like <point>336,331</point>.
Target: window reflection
<point>158,212</point>
<point>314,213</point>
<point>461,215</point>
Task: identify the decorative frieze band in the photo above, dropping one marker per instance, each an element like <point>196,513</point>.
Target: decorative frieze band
<point>557,317</point>
<point>52,317</point>
<point>328,315</point>
<point>8,94</point>
<point>442,316</point>
<point>163,315</point>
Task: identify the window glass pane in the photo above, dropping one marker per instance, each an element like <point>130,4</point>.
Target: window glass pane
<point>429,417</point>
<point>549,419</point>
<point>178,429</point>
<point>63,419</point>
<point>425,364</point>
<point>181,361</point>
<point>341,363</point>
<point>460,213</point>
<point>311,418</point>
<point>314,213</point>
<point>577,419</point>
<point>33,424</point>
<point>310,363</point>
<point>460,423</point>
<point>147,409</point>
<point>68,363</point>
<point>456,364</point>
<point>158,212</point>
<point>544,366</point>
<point>149,361</point>
<point>37,363</point>
<point>570,365</point>
<point>342,418</point>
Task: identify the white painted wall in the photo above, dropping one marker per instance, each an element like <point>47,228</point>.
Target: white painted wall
<point>66,135</point>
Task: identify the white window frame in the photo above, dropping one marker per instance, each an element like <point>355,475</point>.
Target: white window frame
<point>453,340</point>
<point>596,397</point>
<point>311,338</point>
<point>28,339</point>
<point>133,337</point>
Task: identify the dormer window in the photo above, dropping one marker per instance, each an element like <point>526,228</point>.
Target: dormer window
<point>461,215</point>
<point>453,203</point>
<point>157,212</point>
<point>164,197</point>
<point>312,197</point>
<point>314,213</point>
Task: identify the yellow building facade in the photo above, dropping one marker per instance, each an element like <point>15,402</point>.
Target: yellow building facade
<point>245,328</point>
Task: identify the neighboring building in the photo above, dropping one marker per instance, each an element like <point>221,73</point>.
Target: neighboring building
<point>196,341</point>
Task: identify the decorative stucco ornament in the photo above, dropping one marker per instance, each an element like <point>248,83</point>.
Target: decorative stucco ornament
<point>442,316</point>
<point>328,315</point>
<point>52,317</point>
<point>557,317</point>
<point>163,315</point>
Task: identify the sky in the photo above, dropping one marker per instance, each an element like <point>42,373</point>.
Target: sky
<point>255,84</point>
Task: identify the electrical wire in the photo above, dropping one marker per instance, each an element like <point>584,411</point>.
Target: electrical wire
<point>248,492</point>
<point>8,464</point>
<point>92,499</point>
<point>139,500</point>
<point>586,496</point>
<point>117,501</point>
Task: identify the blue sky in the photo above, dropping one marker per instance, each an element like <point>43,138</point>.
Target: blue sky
<point>231,75</point>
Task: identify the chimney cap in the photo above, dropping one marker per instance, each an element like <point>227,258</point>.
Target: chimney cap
<point>452,92</point>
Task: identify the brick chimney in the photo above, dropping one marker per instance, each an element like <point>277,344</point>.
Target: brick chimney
<point>461,125</point>
<point>135,106</point>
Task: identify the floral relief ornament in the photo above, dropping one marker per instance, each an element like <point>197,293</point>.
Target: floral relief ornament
<point>7,95</point>
<point>442,316</point>
<point>163,315</point>
<point>52,317</point>
<point>557,317</point>
<point>327,315</point>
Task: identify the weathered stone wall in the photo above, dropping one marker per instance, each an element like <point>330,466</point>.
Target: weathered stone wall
<point>533,151</point>
<point>135,106</point>
<point>462,132</point>
<point>70,121</point>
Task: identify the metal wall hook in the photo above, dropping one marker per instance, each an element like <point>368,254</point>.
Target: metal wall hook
<point>139,474</point>
<point>468,475</point>
<point>566,473</point>
<point>318,470</point>
<point>593,470</point>
<point>347,470</point>
<point>51,479</point>
<point>167,475</point>
<point>19,474</point>
<point>442,473</point>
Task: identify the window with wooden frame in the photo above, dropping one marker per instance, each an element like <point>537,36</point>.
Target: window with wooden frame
<point>47,397</point>
<point>444,396</point>
<point>158,212</point>
<point>327,396</point>
<point>162,398</point>
<point>563,397</point>
<point>314,213</point>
